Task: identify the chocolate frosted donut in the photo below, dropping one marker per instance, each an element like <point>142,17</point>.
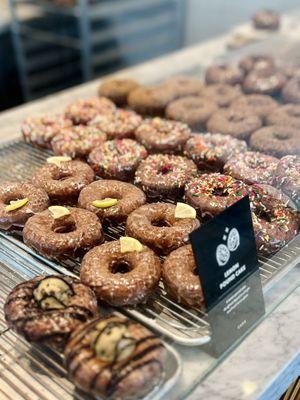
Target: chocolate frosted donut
<point>266,19</point>
<point>223,73</point>
<point>67,236</point>
<point>287,177</point>
<point>63,182</point>
<point>127,195</point>
<point>120,279</point>
<point>47,309</point>
<point>257,62</point>
<point>164,175</point>
<point>287,115</point>
<point>160,135</point>
<point>180,277</point>
<point>115,358</point>
<point>258,104</point>
<point>264,82</point>
<point>192,110</point>
<point>117,159</point>
<point>84,110</point>
<point>117,89</point>
<point>220,93</point>
<point>155,225</point>
<point>277,141</point>
<point>238,123</point>
<point>210,151</point>
<point>35,200</point>
<point>291,90</point>
<point>252,167</point>
<point>184,85</point>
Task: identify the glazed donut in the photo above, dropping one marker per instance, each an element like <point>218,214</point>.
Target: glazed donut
<point>264,82</point>
<point>164,175</point>
<point>210,151</point>
<point>277,141</point>
<point>117,89</point>
<point>160,135</point>
<point>287,177</point>
<point>155,226</point>
<point>115,358</point>
<point>117,159</point>
<point>13,191</point>
<point>47,309</point>
<point>63,182</point>
<point>211,194</point>
<point>120,279</point>
<point>258,104</point>
<point>266,19</point>
<point>184,85</point>
<point>127,195</point>
<point>257,62</point>
<point>223,73</point>
<point>287,115</point>
<point>77,141</point>
<point>220,93</point>
<point>83,111</point>
<point>68,236</point>
<point>252,167</point>
<point>291,90</point>
<point>180,278</point>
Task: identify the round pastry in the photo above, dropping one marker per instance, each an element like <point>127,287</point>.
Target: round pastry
<point>210,151</point>
<point>84,110</point>
<point>155,225</point>
<point>264,82</point>
<point>164,175</point>
<point>180,277</point>
<point>287,115</point>
<point>257,62</point>
<point>48,309</point>
<point>211,194</point>
<point>252,167</point>
<point>117,89</point>
<point>220,93</point>
<point>277,141</point>
<point>160,135</point>
<point>279,195</point>
<point>266,19</point>
<point>111,200</point>
<point>258,104</point>
<point>115,358</point>
<point>290,70</point>
<point>291,90</point>
<point>77,141</point>
<point>70,235</point>
<point>192,110</point>
<point>184,85</point>
<point>236,122</point>
<point>39,131</point>
<point>119,124</point>
<point>120,279</point>
<point>287,177</point>
<point>19,201</point>
<point>223,73</point>
<point>117,159</point>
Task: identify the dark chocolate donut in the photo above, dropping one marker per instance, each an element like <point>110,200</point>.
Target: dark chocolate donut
<point>184,85</point>
<point>84,110</point>
<point>221,93</point>
<point>258,104</point>
<point>287,177</point>
<point>264,82</point>
<point>286,115</point>
<point>223,73</point>
<point>291,90</point>
<point>266,19</point>
<point>117,89</point>
<point>257,62</point>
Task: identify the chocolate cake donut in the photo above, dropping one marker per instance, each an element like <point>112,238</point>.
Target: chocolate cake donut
<point>156,226</point>
<point>117,89</point>
<point>287,115</point>
<point>257,62</point>
<point>222,94</point>
<point>115,358</point>
<point>118,278</point>
<point>19,201</point>
<point>47,309</point>
<point>291,90</point>
<point>184,85</point>
<point>264,82</point>
<point>266,19</point>
<point>287,177</point>
<point>83,111</point>
<point>222,73</point>
<point>258,104</point>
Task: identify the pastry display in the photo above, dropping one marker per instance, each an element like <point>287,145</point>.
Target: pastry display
<point>266,19</point>
<point>258,104</point>
<point>83,111</point>
<point>287,115</point>
<point>263,81</point>
<point>257,62</point>
<point>287,177</point>
<point>221,93</point>
<point>117,89</point>
<point>291,90</point>
<point>223,73</point>
<point>184,85</point>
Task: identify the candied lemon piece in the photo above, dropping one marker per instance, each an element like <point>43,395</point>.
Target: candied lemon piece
<point>105,203</point>
<point>57,160</point>
<point>58,211</point>
<point>129,244</point>
<point>14,205</point>
<point>183,210</point>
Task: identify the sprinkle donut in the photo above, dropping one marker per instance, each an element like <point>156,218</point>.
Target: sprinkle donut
<point>117,90</point>
<point>223,73</point>
<point>287,177</point>
<point>83,111</point>
<point>287,115</point>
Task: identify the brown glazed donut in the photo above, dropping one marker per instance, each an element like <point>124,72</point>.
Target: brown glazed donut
<point>257,62</point>
<point>291,90</point>
<point>83,111</point>
<point>258,104</point>
<point>63,183</point>
<point>120,279</point>
<point>46,309</point>
<point>184,85</point>
<point>266,19</point>
<point>164,175</point>
<point>155,225</point>
<point>68,236</point>
<point>160,135</point>
<point>223,73</point>
<point>12,191</point>
<point>264,82</point>
<point>287,115</point>
<point>117,89</point>
<point>287,177</point>
<point>115,358</point>
<point>180,278</point>
<point>129,198</point>
<point>220,93</point>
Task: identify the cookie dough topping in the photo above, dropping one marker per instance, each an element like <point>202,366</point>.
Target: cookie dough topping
<point>16,204</point>
<point>57,160</point>
<point>52,293</point>
<point>105,203</point>
<point>59,211</point>
<point>183,210</point>
<point>129,244</point>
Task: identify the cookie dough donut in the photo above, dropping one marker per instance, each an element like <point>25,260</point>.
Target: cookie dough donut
<point>35,200</point>
<point>286,115</point>
<point>222,73</point>
<point>180,277</point>
<point>264,82</point>
<point>155,226</point>
<point>220,93</point>
<point>117,89</point>
<point>235,122</point>
<point>160,135</point>
<point>257,62</point>
<point>47,309</point>
<point>192,110</point>
<point>117,159</point>
<point>266,19</point>
<point>39,131</point>
<point>64,181</point>
<point>128,198</point>
<point>120,279</point>
<point>84,110</point>
<point>277,141</point>
<point>184,85</point>
<point>77,141</point>
<point>69,235</point>
<point>258,104</point>
<point>164,175</point>
<point>252,167</point>
<point>115,358</point>
<point>291,91</point>
<point>287,177</point>
<point>210,151</point>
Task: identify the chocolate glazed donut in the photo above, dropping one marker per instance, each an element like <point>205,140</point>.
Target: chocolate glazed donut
<point>223,73</point>
<point>287,177</point>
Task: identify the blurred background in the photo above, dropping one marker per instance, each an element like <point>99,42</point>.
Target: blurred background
<point>49,45</point>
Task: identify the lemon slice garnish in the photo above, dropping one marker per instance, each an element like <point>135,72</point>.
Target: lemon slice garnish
<point>105,203</point>
<point>129,244</point>
<point>183,210</point>
<point>57,160</point>
<point>14,205</point>
<point>59,211</point>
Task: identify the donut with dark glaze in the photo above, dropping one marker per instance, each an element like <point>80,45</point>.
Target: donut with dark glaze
<point>287,177</point>
<point>222,73</point>
<point>291,90</point>
<point>266,19</point>
<point>287,115</point>
<point>257,62</point>
<point>221,93</point>
<point>117,89</point>
<point>264,82</point>
<point>83,111</point>
<point>258,104</point>
<point>184,85</point>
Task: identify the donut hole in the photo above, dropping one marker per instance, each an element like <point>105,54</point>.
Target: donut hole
<point>10,199</point>
<point>120,267</point>
<point>160,222</point>
<point>235,118</point>
<point>281,135</point>
<point>65,227</point>
<point>262,214</point>
<point>62,176</point>
<point>219,191</point>
<point>165,169</point>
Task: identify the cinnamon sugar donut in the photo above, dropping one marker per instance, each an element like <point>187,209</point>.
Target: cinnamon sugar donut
<point>84,110</point>
<point>117,89</point>
<point>222,94</point>
<point>258,104</point>
<point>287,177</point>
<point>287,115</point>
<point>223,73</point>
<point>291,90</point>
<point>184,85</point>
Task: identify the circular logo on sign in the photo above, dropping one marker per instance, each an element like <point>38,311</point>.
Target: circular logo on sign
<point>222,254</point>
<point>233,240</point>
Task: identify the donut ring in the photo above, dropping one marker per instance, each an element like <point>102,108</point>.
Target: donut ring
<point>83,111</point>
<point>258,104</point>
<point>221,93</point>
<point>257,62</point>
<point>184,85</point>
<point>223,73</point>
<point>11,191</point>
<point>67,236</point>
<point>179,277</point>
<point>287,115</point>
<point>291,90</point>
<point>264,82</point>
<point>120,279</point>
<point>63,183</point>
<point>129,198</point>
<point>155,225</point>
<point>266,19</point>
<point>117,90</point>
<point>287,177</point>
